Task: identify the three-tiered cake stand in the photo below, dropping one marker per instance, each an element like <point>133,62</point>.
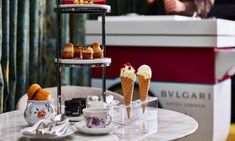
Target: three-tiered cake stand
<point>81,63</point>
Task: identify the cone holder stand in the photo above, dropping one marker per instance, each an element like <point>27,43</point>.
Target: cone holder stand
<point>139,124</point>
<point>135,110</point>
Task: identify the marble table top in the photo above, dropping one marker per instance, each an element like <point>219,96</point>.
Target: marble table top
<point>171,125</point>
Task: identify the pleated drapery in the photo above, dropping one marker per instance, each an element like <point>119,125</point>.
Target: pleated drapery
<point>5,49</point>
<point>28,39</point>
<point>1,78</point>
<point>22,55</point>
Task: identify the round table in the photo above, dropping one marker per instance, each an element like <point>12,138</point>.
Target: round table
<point>171,125</point>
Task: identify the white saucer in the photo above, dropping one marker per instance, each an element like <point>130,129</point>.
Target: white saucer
<point>95,131</point>
<point>69,132</point>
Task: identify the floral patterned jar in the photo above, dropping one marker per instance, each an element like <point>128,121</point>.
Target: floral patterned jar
<point>37,110</point>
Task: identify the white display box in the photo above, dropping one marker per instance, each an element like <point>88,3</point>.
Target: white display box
<point>210,105</point>
<point>163,31</point>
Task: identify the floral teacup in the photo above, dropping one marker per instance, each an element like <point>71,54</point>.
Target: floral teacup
<point>37,110</point>
<point>97,117</point>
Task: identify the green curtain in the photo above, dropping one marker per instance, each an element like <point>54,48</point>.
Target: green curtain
<point>78,76</point>
<point>1,77</point>
<point>48,49</point>
<point>5,49</point>
<point>22,47</point>
<point>10,99</point>
<point>34,39</point>
<point>28,41</point>
<point>65,38</point>
<point>43,37</point>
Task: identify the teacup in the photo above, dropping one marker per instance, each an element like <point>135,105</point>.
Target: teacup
<point>97,117</point>
<point>37,110</point>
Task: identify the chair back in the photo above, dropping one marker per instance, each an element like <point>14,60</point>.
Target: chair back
<point>69,92</point>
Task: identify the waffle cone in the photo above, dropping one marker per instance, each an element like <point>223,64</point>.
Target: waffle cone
<point>143,88</point>
<point>127,88</point>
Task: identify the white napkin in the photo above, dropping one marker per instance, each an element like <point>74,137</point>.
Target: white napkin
<point>109,99</point>
<point>53,130</point>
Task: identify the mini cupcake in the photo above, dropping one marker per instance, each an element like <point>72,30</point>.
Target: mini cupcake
<point>87,53</point>
<point>68,51</point>
<point>98,52</point>
<point>77,52</point>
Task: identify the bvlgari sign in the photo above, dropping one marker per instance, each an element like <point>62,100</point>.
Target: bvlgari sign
<point>204,102</point>
<point>185,95</point>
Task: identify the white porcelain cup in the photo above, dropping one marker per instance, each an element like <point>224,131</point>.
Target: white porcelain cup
<point>37,110</point>
<point>97,117</point>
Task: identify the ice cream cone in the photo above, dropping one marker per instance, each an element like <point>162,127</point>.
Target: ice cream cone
<point>143,88</point>
<point>127,88</point>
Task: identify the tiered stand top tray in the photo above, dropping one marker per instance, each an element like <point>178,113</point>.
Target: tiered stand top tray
<point>83,8</point>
